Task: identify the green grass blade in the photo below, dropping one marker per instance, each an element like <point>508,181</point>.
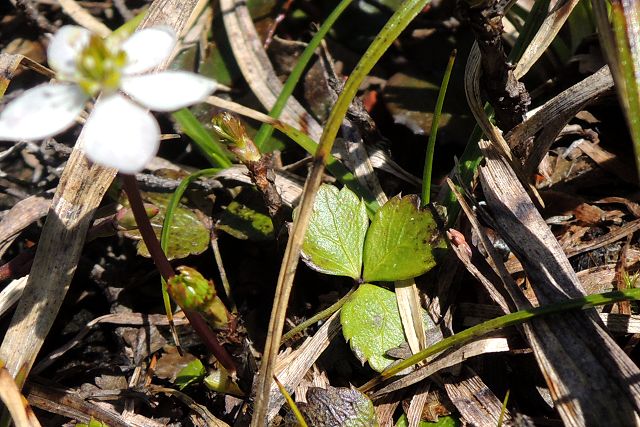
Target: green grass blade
<point>392,29</point>
<point>620,43</point>
<point>265,131</point>
<point>334,166</point>
<point>431,144</point>
<point>210,147</point>
<point>511,319</point>
<point>294,408</point>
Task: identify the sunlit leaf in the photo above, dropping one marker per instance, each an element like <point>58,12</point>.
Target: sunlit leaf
<point>447,421</point>
<point>399,242</point>
<point>246,218</point>
<point>189,236</point>
<point>192,373</point>
<point>334,240</point>
<point>372,325</point>
<point>619,40</point>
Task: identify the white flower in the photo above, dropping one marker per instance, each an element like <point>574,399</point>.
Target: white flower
<point>120,132</point>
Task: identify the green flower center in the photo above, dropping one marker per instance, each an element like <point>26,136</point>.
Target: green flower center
<point>100,66</point>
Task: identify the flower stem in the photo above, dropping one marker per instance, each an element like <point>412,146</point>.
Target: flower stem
<point>130,186</point>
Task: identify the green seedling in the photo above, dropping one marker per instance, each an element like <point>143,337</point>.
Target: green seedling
<point>398,244</point>
<point>218,380</point>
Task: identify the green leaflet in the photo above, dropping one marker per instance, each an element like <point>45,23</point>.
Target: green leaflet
<point>333,243</point>
<point>372,325</point>
<point>189,235</point>
<point>399,242</point>
<point>194,372</point>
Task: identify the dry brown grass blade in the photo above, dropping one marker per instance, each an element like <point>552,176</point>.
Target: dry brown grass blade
<point>9,64</point>
<point>11,294</point>
<point>287,273</point>
<point>410,309</point>
<point>613,236</point>
<point>475,401</point>
<point>82,17</point>
<point>80,191</point>
<point>69,404</point>
<point>294,367</point>
<point>552,117</point>
<point>21,215</point>
<point>598,363</point>
<point>494,344</point>
<point>418,400</point>
<point>544,37</point>
<point>134,319</point>
<point>474,99</point>
<point>256,67</point>
<point>18,408</point>
<point>257,70</point>
<point>610,162</point>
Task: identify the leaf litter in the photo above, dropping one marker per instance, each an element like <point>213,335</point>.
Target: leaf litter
<point>109,355</point>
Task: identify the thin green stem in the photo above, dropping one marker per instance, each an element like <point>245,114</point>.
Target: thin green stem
<point>431,144</point>
<point>511,319</point>
<point>265,131</point>
<point>503,410</point>
<point>321,315</point>
<point>292,404</point>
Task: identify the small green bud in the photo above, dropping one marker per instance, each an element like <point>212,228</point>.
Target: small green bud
<point>230,130</point>
<point>126,221</point>
<point>221,382</point>
<point>193,292</point>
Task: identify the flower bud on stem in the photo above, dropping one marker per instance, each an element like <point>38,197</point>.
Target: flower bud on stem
<point>230,130</point>
<point>130,186</point>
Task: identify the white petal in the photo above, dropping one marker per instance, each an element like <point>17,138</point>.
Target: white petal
<point>41,112</point>
<point>121,135</point>
<point>148,48</point>
<point>65,47</point>
<point>169,90</point>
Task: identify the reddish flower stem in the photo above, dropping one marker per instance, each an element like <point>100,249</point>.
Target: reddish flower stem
<point>201,327</point>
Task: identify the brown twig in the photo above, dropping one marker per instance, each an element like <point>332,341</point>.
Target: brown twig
<point>506,94</point>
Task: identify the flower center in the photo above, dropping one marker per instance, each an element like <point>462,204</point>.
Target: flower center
<point>100,66</point>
